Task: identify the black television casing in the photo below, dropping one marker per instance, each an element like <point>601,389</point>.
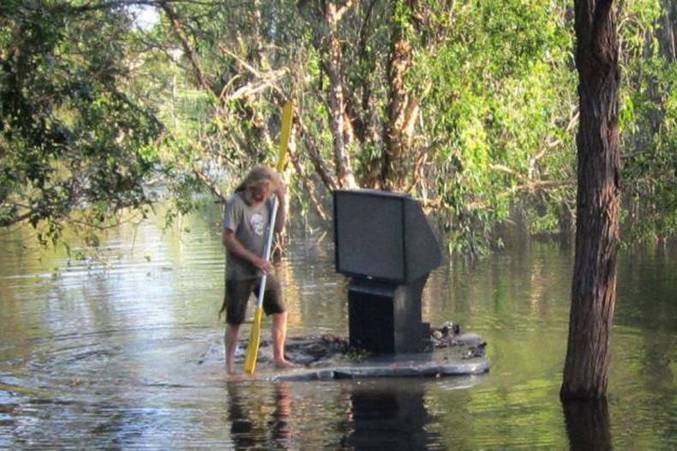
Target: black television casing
<point>382,236</point>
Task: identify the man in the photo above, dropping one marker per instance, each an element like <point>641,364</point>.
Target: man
<point>246,220</point>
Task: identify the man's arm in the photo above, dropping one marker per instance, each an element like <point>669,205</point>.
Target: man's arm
<point>237,249</point>
<point>281,218</point>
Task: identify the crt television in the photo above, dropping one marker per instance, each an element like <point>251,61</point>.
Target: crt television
<point>382,236</point>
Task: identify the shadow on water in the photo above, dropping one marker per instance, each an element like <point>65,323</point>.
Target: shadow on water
<point>588,425</point>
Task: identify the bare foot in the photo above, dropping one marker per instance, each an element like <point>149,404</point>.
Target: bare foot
<point>285,365</point>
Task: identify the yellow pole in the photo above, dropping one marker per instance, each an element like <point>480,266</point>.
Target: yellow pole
<point>255,335</point>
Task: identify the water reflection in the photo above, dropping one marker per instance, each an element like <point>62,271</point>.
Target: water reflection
<point>588,425</point>
<point>279,424</point>
<point>251,424</point>
<point>369,414</point>
<point>128,351</point>
<point>244,431</point>
<point>389,416</point>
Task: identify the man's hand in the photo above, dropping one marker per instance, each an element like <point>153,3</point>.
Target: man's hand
<point>281,192</point>
<point>262,264</point>
<point>234,246</point>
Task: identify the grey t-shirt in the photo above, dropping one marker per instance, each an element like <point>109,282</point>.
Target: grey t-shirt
<point>250,225</point>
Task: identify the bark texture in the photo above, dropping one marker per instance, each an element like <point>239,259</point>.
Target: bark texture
<point>402,112</point>
<point>344,172</point>
<point>593,291</point>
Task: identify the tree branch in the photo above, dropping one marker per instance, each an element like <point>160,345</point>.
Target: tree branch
<point>93,6</point>
<point>16,219</point>
<point>307,185</point>
<point>178,28</point>
<point>209,183</point>
<point>316,158</point>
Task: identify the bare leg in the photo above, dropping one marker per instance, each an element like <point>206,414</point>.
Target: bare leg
<point>279,334</point>
<point>232,331</point>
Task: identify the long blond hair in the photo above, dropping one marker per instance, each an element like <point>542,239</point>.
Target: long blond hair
<point>258,175</point>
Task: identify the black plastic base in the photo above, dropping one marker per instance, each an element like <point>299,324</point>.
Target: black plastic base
<point>386,318</point>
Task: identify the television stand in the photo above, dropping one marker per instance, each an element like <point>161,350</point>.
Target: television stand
<point>385,318</point>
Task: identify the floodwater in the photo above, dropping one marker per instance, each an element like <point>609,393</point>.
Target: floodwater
<point>127,352</point>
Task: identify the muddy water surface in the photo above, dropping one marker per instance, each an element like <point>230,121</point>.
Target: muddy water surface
<point>127,351</point>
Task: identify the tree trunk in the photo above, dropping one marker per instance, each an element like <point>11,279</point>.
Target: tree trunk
<point>565,221</point>
<point>344,172</point>
<point>594,281</point>
<point>308,185</point>
<point>402,112</point>
<point>667,31</point>
<point>315,156</point>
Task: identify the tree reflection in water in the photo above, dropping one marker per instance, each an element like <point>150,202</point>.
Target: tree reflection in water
<point>588,425</point>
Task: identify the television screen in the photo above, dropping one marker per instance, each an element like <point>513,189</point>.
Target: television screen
<point>369,235</point>
<point>383,236</point>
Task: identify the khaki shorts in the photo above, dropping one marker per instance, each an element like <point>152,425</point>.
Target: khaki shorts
<point>239,291</point>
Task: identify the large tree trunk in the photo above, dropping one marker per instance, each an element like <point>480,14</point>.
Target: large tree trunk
<point>344,172</point>
<point>402,111</point>
<point>594,282</point>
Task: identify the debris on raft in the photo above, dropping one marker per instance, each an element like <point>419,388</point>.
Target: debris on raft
<point>449,353</point>
<point>310,350</point>
<point>322,350</point>
<point>449,335</point>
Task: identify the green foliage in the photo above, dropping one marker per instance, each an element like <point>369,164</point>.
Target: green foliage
<point>71,139</point>
<point>498,94</point>
<point>94,109</point>
<point>649,133</point>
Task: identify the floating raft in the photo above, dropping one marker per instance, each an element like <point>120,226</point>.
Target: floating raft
<point>329,357</point>
<point>411,368</point>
